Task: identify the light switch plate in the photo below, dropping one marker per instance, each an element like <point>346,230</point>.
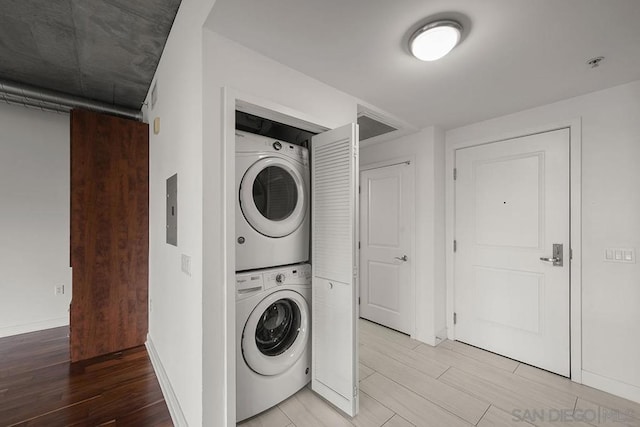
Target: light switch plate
<point>621,255</point>
<point>186,264</point>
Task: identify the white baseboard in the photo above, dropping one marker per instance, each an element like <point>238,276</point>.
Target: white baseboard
<point>8,331</point>
<point>177,416</point>
<point>441,336</point>
<point>431,340</point>
<point>627,391</point>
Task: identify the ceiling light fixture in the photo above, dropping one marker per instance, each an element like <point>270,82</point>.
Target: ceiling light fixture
<point>435,40</point>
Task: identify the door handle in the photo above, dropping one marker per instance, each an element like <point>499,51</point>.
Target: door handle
<point>402,258</point>
<point>556,259</point>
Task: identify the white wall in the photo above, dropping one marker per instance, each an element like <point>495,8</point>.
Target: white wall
<point>228,64</point>
<point>427,147</point>
<point>610,218</point>
<point>175,319</point>
<point>34,221</point>
<point>439,258</point>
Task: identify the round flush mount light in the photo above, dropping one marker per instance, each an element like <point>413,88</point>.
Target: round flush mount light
<point>435,40</point>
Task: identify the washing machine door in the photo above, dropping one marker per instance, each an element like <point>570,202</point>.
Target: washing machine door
<point>276,333</point>
<point>273,196</point>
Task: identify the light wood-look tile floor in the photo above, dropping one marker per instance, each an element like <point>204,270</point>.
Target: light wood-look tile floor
<point>406,383</point>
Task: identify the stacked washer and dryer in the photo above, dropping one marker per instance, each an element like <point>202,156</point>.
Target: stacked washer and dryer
<point>273,278</point>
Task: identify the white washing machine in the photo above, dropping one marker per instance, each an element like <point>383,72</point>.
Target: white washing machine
<point>272,210</point>
<point>273,343</point>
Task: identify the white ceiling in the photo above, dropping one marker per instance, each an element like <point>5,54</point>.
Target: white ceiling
<point>516,54</point>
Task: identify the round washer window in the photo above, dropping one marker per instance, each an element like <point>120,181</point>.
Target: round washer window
<point>275,193</point>
<point>278,327</point>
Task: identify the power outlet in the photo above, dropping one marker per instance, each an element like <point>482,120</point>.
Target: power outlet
<point>186,264</point>
<point>58,290</point>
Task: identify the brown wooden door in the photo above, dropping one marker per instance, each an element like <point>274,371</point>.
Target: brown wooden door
<point>109,233</point>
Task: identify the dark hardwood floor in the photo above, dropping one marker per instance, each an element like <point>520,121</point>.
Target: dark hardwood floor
<point>40,387</point>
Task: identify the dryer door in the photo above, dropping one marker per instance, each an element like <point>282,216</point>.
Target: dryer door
<point>273,196</point>
<point>276,333</point>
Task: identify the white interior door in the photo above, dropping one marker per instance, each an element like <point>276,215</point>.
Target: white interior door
<point>334,313</point>
<point>512,206</point>
<point>386,258</point>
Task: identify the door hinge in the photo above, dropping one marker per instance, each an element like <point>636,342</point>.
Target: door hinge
<point>455,173</point>
<point>358,300</point>
<point>358,245</point>
<point>570,254</point>
<point>359,189</point>
<point>455,245</point>
<point>455,318</point>
<point>355,391</point>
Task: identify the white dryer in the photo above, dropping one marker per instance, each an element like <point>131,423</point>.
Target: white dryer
<point>273,354</point>
<point>272,210</point>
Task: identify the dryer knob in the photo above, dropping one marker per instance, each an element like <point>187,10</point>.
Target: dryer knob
<point>280,278</point>
<point>277,145</point>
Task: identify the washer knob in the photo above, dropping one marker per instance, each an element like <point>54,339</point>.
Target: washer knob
<point>277,145</point>
<point>280,278</point>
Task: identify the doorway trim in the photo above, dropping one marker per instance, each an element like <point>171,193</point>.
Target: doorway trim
<point>412,274</point>
<point>575,207</point>
<point>232,100</point>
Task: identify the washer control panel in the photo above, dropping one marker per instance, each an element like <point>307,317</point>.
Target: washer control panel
<point>251,282</point>
<point>292,275</point>
<point>248,284</point>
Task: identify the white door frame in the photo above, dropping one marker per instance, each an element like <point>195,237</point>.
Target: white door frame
<point>575,184</point>
<point>412,273</point>
<point>233,99</point>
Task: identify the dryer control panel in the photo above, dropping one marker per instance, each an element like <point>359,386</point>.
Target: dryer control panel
<point>252,143</point>
<point>299,153</point>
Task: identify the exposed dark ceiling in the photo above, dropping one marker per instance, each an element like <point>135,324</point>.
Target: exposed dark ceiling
<point>104,50</point>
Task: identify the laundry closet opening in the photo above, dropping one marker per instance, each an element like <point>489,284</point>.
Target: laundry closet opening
<point>291,250</point>
<point>273,274</point>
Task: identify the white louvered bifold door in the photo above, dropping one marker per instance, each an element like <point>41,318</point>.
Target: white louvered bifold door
<point>334,189</point>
